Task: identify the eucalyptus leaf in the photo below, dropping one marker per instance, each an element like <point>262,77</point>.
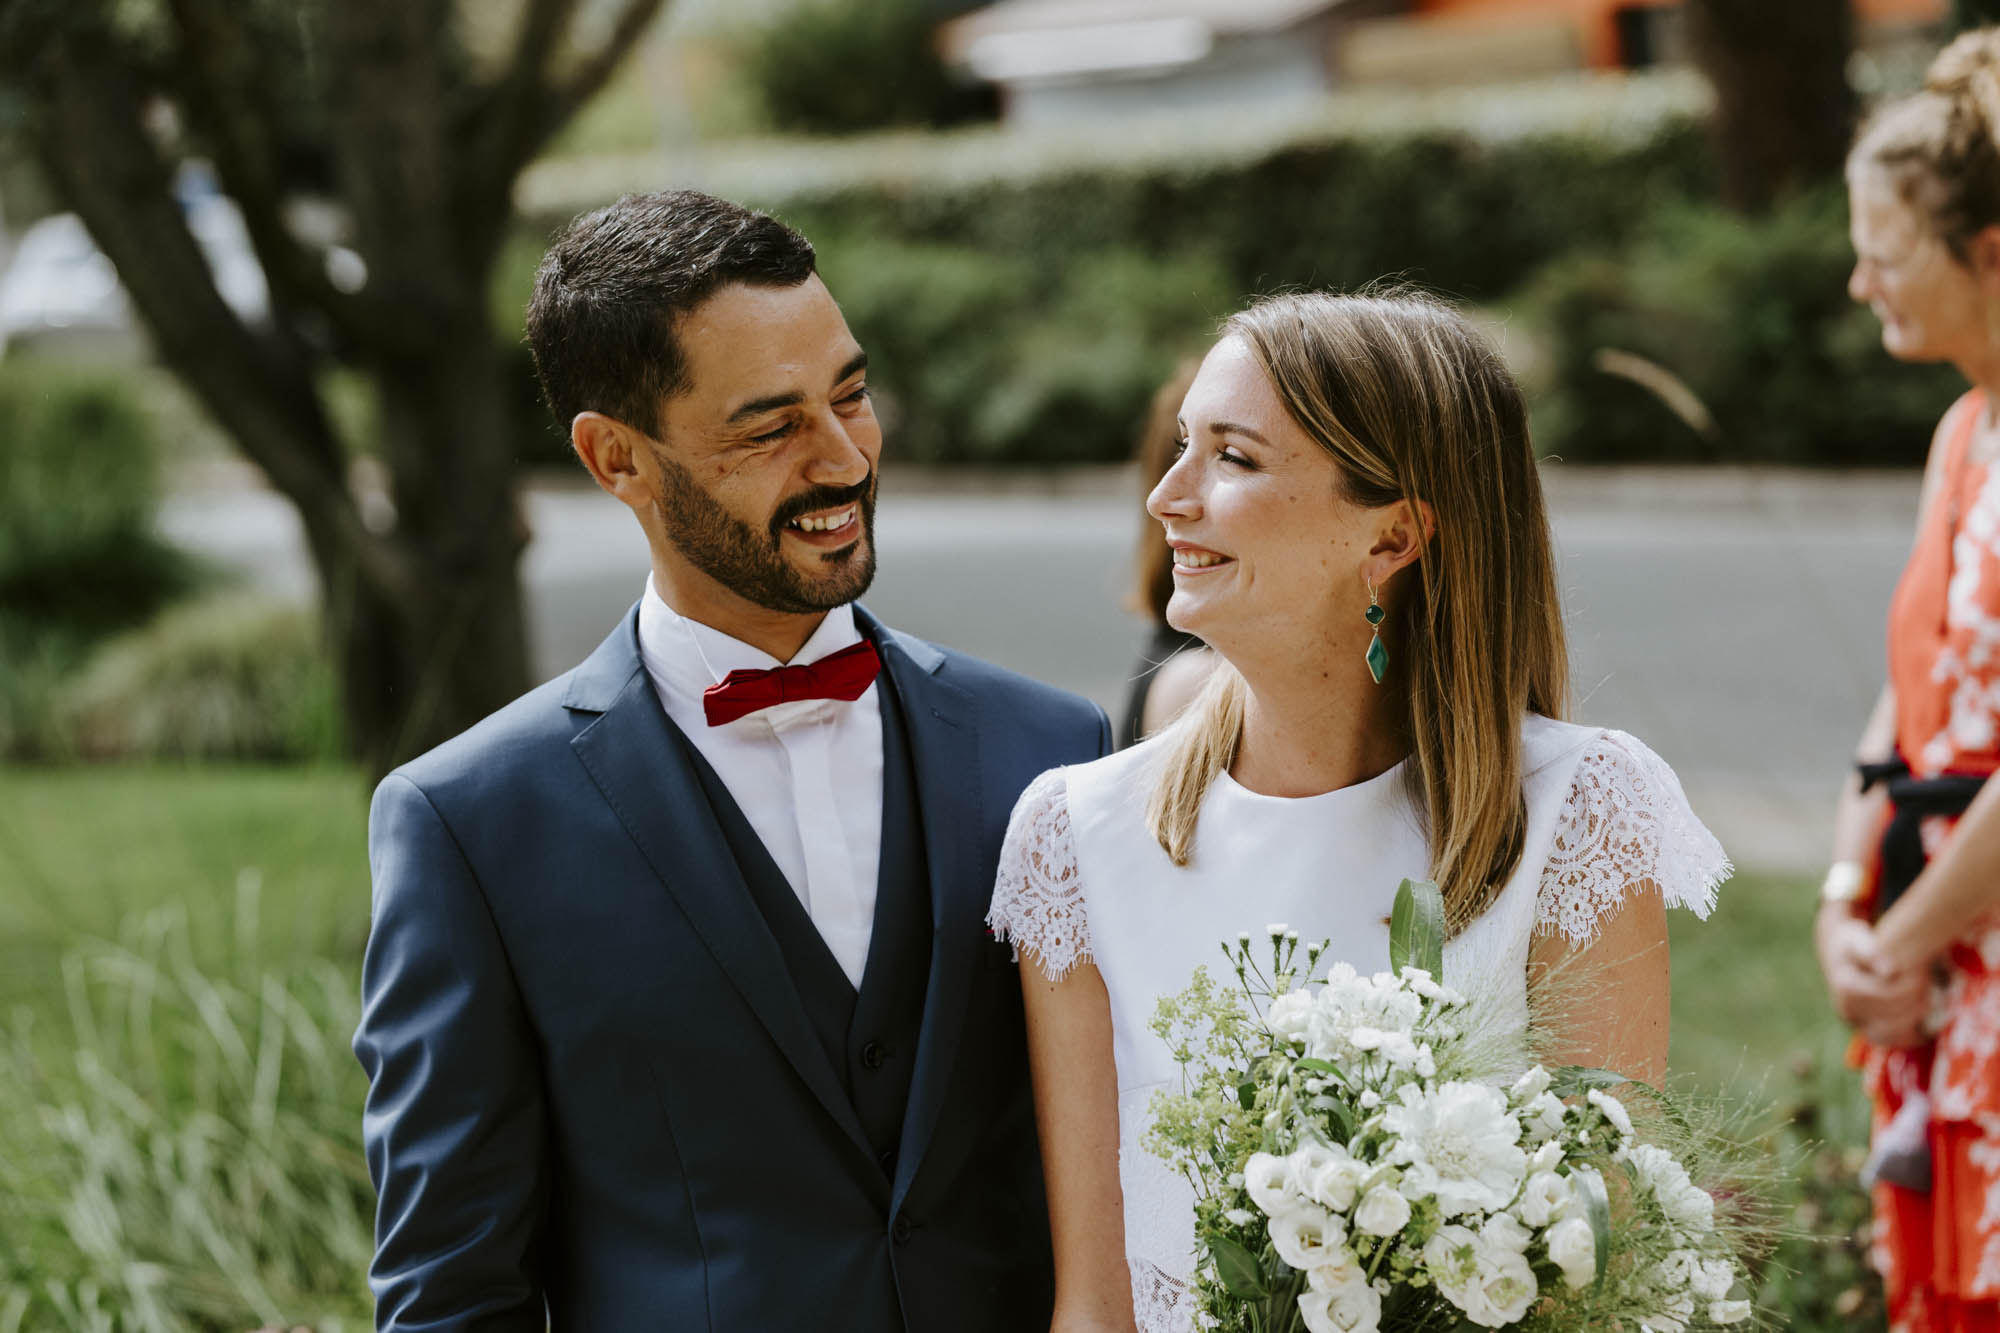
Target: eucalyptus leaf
<point>1416,928</point>
<point>1241,1275</point>
<point>1597,1206</point>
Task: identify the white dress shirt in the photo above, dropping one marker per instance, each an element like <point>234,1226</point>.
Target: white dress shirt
<point>807,774</point>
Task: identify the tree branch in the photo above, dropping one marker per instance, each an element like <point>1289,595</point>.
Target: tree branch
<point>225,79</point>
<point>85,90</point>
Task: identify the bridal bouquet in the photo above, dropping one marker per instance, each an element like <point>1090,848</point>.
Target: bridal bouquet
<point>1361,1162</point>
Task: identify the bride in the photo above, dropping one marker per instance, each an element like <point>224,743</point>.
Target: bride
<point>1358,530</point>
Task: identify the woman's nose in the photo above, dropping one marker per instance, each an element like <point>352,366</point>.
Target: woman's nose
<point>1173,497</point>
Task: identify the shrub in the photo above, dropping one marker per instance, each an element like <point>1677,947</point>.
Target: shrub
<point>984,356</point>
<point>1752,320</point>
<point>1472,217</point>
<point>843,66</point>
<point>192,1163</point>
<point>79,480</point>
<point>228,678</point>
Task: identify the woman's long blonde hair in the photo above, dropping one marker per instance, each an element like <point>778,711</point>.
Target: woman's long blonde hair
<point>1414,404</point>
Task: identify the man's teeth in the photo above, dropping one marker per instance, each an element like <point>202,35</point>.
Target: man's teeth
<point>1197,559</point>
<point>827,524</point>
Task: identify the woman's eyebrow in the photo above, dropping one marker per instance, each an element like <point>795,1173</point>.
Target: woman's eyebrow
<point>1235,428</point>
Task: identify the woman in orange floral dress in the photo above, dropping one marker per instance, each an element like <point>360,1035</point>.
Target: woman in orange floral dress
<point>1909,928</point>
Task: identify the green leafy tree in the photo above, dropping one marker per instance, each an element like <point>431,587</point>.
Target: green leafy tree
<point>413,118</point>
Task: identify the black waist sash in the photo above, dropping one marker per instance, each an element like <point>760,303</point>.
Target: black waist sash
<point>1913,800</point>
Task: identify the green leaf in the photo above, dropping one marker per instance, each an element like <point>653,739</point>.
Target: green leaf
<point>1246,1095</point>
<point>1575,1080</point>
<point>1597,1206</point>
<point>1313,1064</point>
<point>1416,928</point>
<point>1240,1274</point>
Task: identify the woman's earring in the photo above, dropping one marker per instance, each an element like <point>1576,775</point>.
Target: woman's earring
<point>1377,656</point>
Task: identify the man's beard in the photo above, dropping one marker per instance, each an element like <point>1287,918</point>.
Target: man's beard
<point>750,563</point>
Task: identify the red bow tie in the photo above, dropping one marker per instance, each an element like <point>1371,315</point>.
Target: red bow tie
<point>846,675</point>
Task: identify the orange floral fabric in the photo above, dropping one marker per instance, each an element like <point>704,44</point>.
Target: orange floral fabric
<point>1939,1253</point>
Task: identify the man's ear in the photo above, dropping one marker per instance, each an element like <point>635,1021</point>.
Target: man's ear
<point>611,450</point>
<point>1407,526</point>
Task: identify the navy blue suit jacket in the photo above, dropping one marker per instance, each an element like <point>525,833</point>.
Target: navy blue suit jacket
<point>596,1098</point>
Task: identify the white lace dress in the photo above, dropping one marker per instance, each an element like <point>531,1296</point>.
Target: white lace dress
<point>1082,878</point>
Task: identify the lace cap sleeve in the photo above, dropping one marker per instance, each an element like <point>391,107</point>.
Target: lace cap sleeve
<point>1626,822</point>
<point>1038,897</point>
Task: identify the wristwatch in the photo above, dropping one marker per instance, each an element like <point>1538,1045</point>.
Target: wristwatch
<point>1842,883</point>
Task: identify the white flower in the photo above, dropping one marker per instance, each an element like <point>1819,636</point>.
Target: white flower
<point>1729,1312</point>
<point>1573,1248</point>
<point>1542,1118</point>
<point>1686,1204</point>
<point>1422,982</point>
<point>1306,1235</point>
<point>1349,1004</point>
<point>1504,1232</point>
<point>1614,1110</point>
<point>1239,1217</point>
<point>1543,1198</point>
<point>1370,1099</point>
<point>1288,1015</point>
<point>1264,1177</point>
<point>1383,1212</point>
<point>1426,1062</point>
<point>1326,1173</point>
<point>1482,1274</point>
<point>1276,930</point>
<point>1672,1317</point>
<point>1459,1146</point>
<point>1713,1280</point>
<point>1346,1306</point>
<point>1529,1086</point>
<point>1545,1159</point>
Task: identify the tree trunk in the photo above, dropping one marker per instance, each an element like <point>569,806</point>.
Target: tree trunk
<point>1784,113</point>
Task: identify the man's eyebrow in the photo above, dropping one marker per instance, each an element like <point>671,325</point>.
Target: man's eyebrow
<point>759,406</point>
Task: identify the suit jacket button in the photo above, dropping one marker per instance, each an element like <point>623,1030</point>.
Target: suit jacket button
<point>872,1055</point>
<point>888,1161</point>
<point>901,1229</point>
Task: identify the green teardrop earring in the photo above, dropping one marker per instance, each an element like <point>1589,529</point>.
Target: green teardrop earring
<point>1377,656</point>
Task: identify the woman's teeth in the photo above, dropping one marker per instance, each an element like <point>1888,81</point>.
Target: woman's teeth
<point>826,524</point>
<point>1197,559</point>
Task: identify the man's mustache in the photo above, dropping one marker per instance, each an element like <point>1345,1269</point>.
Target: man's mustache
<point>824,497</point>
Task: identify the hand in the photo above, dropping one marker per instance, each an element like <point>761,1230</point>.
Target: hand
<point>1885,1003</point>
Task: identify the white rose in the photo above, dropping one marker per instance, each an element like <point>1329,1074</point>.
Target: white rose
<point>1306,1235</point>
<point>1543,1198</point>
<point>1529,1086</point>
<point>1264,1178</point>
<point>1614,1110</point>
<point>1573,1248</point>
<point>1729,1312</point>
<point>1326,1174</point>
<point>1383,1212</point>
<point>1289,1014</point>
<point>1351,1306</point>
<point>1459,1146</point>
<point>1542,1118</point>
<point>1714,1279</point>
<point>1481,1274</point>
<point>1504,1232</point>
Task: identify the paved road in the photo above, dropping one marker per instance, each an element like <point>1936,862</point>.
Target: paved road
<point>1731,618</point>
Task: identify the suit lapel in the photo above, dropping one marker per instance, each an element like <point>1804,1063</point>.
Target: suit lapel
<point>944,748</point>
<point>636,760</point>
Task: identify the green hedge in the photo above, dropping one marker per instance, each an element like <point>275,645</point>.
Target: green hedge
<point>1749,320</point>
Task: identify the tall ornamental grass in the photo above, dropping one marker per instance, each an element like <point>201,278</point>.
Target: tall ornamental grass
<point>185,1158</point>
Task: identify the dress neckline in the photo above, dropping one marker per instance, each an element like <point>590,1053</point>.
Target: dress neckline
<point>1353,791</point>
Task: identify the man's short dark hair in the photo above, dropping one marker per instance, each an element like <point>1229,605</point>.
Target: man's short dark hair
<point>613,289</point>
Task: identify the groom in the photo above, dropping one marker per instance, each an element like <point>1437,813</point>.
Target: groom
<point>679,1012</point>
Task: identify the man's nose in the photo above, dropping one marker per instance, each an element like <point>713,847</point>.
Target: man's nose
<point>838,458</point>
